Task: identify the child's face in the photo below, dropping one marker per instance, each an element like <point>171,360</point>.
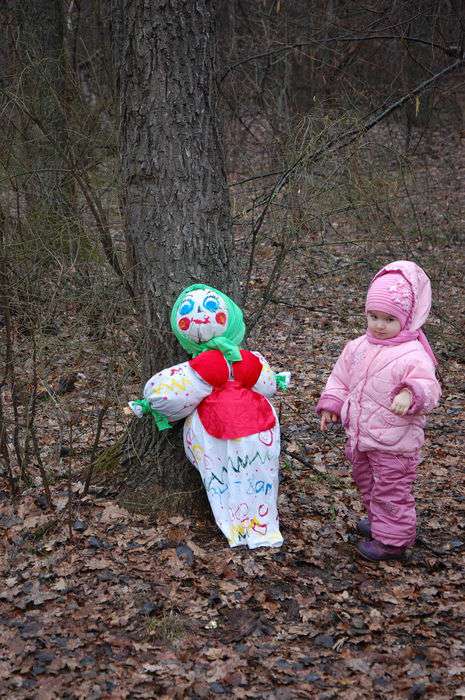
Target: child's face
<point>383,325</point>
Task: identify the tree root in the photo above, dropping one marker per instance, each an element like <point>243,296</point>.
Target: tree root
<point>149,474</point>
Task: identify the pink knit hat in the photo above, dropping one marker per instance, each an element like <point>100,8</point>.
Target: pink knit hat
<point>392,294</point>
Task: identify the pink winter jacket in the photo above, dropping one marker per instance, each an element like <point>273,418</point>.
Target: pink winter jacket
<point>362,385</point>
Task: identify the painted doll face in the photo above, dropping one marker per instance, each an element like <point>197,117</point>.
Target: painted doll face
<point>202,315</point>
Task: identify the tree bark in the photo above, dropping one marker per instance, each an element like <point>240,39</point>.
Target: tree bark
<point>175,207</point>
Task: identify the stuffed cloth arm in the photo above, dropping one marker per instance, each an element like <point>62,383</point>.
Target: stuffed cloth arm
<point>174,393</point>
<point>337,387</point>
<point>268,382</point>
<point>420,379</point>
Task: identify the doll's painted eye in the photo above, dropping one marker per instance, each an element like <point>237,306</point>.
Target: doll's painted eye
<point>184,323</point>
<point>186,307</point>
<point>220,318</point>
<point>211,303</point>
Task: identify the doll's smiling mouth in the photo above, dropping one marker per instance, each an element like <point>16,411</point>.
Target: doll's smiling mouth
<point>199,321</point>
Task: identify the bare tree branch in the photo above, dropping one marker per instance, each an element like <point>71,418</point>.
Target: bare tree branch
<point>452,51</point>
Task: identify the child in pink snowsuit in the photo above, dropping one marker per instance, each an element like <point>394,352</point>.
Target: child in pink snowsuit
<point>380,389</point>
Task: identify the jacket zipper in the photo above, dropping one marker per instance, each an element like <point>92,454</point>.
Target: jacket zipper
<point>357,427</point>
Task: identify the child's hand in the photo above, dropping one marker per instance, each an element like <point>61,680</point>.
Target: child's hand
<point>327,417</point>
<point>402,402</point>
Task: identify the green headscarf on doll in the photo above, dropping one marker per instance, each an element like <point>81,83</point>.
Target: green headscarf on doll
<point>214,309</point>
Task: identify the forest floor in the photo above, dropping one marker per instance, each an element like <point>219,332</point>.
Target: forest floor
<point>97,602</point>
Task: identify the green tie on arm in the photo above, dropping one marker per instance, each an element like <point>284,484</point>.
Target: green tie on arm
<point>161,421</point>
<point>282,380</point>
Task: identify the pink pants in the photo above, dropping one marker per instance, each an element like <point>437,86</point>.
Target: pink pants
<point>385,483</point>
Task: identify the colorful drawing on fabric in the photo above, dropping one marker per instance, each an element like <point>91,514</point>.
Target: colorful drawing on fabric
<point>167,387</point>
<point>195,448</point>
<point>266,438</point>
<point>175,370</point>
<point>214,484</point>
<point>239,511</point>
<point>247,526</point>
<point>239,464</point>
<point>262,487</point>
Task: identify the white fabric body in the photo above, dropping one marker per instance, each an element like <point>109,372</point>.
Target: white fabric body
<point>241,476</point>
<point>176,391</point>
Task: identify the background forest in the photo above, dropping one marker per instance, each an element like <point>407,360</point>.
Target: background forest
<point>340,131</point>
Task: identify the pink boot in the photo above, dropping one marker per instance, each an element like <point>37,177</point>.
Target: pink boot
<point>377,551</point>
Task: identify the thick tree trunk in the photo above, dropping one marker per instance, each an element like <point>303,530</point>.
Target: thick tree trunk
<point>176,206</point>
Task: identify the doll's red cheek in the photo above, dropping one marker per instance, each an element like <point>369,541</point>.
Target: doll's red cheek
<point>184,323</point>
<point>220,318</point>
